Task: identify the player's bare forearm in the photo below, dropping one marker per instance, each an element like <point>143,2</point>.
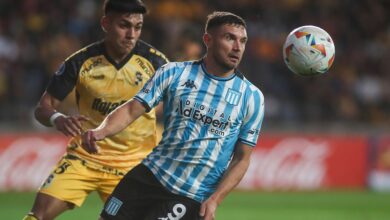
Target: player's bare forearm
<point>45,108</point>
<point>119,119</point>
<point>46,114</point>
<point>235,172</point>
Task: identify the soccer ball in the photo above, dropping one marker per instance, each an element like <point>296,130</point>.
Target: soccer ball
<point>308,51</point>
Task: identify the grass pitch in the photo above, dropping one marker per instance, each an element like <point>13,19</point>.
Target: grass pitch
<point>332,205</point>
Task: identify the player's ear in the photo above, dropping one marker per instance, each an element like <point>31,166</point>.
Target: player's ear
<point>207,39</point>
<point>104,23</point>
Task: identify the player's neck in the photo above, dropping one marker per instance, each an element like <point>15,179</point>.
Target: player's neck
<point>215,69</point>
<point>113,54</point>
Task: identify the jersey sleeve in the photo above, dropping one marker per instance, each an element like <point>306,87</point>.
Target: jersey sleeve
<point>159,60</point>
<point>64,80</point>
<point>253,119</point>
<point>153,91</point>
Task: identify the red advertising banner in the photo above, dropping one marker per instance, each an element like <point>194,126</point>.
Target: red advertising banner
<point>308,162</point>
<point>379,177</point>
<point>279,162</point>
<point>26,160</point>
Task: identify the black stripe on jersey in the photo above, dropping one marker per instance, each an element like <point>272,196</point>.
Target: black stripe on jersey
<point>141,48</point>
<point>118,66</point>
<point>150,53</point>
<point>62,84</point>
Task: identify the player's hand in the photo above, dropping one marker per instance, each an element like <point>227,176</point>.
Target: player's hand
<point>208,208</point>
<point>88,141</point>
<point>70,125</point>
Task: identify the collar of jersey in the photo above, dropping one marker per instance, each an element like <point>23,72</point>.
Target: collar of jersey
<point>231,76</point>
<point>123,62</point>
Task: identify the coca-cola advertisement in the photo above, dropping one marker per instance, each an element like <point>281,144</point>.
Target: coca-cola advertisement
<point>279,162</point>
<point>26,160</point>
<point>304,162</point>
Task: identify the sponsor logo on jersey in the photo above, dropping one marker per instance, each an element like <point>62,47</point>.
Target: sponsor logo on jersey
<point>113,206</point>
<point>207,116</point>
<point>105,107</point>
<point>93,64</point>
<point>189,84</point>
<point>146,91</point>
<point>143,66</point>
<point>253,131</point>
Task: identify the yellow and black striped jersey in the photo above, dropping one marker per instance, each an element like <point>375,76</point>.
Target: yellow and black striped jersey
<point>101,85</point>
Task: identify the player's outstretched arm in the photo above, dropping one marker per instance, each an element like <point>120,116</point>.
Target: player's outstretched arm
<point>46,114</point>
<point>235,172</point>
<point>115,122</point>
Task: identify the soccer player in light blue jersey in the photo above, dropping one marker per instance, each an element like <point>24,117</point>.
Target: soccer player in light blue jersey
<point>212,119</point>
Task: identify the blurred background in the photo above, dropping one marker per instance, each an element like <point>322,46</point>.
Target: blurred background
<point>328,132</point>
<point>37,35</point>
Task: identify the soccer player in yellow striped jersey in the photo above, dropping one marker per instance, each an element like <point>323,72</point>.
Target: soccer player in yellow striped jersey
<point>105,75</point>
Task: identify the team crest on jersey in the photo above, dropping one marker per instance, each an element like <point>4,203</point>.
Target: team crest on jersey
<point>233,97</point>
<point>113,206</point>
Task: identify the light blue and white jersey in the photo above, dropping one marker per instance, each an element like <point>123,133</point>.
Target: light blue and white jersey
<point>204,117</point>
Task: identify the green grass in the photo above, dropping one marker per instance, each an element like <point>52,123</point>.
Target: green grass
<point>333,205</point>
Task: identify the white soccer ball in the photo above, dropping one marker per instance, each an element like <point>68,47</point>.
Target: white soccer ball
<point>309,51</point>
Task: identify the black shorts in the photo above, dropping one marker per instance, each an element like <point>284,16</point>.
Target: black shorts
<point>140,196</point>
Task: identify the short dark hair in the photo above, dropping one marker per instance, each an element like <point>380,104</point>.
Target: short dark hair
<point>130,6</point>
<point>219,18</point>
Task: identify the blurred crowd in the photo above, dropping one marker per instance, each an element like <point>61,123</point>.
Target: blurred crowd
<point>37,35</point>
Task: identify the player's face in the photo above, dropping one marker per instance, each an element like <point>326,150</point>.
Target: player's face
<point>227,45</point>
<point>122,30</point>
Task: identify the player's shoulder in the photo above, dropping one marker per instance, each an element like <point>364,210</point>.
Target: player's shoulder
<point>255,91</point>
<point>250,88</point>
<point>177,66</point>
<point>92,50</point>
<point>149,52</point>
<point>182,64</point>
